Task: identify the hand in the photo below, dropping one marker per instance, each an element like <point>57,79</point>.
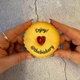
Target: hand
<point>6,47</point>
<point>70,38</point>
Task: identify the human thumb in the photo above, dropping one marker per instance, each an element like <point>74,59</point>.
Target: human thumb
<point>67,54</point>
<point>11,60</point>
<point>62,53</point>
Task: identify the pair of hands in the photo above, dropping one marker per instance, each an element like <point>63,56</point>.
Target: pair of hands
<point>16,41</point>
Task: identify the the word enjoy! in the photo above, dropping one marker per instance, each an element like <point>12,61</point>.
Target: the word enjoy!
<point>41,52</point>
<point>41,30</point>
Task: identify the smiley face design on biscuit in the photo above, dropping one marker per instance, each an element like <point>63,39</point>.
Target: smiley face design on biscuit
<point>41,39</point>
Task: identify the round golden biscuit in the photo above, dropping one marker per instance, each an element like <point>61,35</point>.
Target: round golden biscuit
<point>41,39</point>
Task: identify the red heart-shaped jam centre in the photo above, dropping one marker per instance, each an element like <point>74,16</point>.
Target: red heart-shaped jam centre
<point>41,40</point>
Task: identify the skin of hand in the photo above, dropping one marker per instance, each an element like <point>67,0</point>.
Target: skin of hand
<point>70,38</point>
<point>16,41</point>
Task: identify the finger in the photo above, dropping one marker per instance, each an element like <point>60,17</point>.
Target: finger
<point>18,39</point>
<point>3,53</point>
<point>66,41</point>
<point>18,47</point>
<point>66,45</point>
<point>12,33</point>
<point>77,49</point>
<point>68,31</point>
<point>11,48</point>
<point>9,61</point>
<point>63,37</point>
<point>66,55</point>
<point>4,44</point>
<point>19,43</point>
<point>63,53</point>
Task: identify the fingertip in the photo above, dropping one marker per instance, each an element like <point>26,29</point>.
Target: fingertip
<point>29,57</point>
<point>62,38</point>
<point>27,24</point>
<point>56,24</point>
<point>56,55</point>
<point>63,53</point>
<point>51,20</point>
<point>31,20</point>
